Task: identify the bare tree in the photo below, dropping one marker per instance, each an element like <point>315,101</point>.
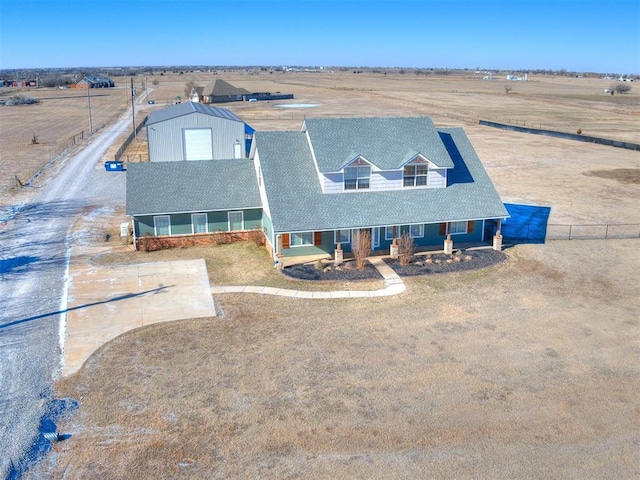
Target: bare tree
<point>188,87</point>
<point>507,88</point>
<point>621,87</point>
<point>406,248</point>
<point>361,247</point>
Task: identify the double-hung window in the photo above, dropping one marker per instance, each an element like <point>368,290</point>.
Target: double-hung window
<point>301,239</point>
<point>162,225</point>
<point>416,231</point>
<point>458,228</point>
<point>357,176</point>
<point>391,232</point>
<point>415,175</point>
<point>236,221</point>
<point>199,222</point>
<point>341,236</point>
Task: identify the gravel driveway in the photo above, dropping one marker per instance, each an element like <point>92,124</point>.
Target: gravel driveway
<point>35,238</point>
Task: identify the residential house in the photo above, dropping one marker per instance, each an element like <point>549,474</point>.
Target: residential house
<point>92,81</point>
<point>220,91</point>
<point>313,190</point>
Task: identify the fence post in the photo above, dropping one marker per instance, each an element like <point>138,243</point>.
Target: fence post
<point>569,232</point>
<point>606,233</point>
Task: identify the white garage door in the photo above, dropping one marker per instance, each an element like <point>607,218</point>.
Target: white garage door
<point>198,144</point>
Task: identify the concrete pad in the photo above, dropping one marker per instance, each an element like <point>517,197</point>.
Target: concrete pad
<point>104,302</point>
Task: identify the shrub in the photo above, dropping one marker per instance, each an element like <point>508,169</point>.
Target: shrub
<point>362,247</point>
<point>622,87</point>
<point>20,100</point>
<point>406,248</point>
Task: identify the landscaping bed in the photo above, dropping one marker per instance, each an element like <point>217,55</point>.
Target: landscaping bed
<point>346,271</point>
<point>460,260</point>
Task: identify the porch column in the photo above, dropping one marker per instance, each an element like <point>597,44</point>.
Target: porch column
<point>448,243</point>
<point>279,255</point>
<point>497,238</point>
<point>338,255</point>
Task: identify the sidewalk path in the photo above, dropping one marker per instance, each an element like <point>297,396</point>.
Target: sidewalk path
<point>393,285</point>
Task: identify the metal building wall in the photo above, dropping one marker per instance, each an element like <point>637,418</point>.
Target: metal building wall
<point>166,138</point>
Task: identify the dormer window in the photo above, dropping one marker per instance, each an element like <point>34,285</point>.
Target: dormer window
<point>415,174</point>
<point>357,176</point>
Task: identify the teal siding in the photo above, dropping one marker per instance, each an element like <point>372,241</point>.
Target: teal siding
<point>326,246</point>
<point>216,222</point>
<point>267,228</point>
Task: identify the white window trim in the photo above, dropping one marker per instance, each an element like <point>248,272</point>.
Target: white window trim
<point>155,225</point>
<point>229,220</point>
<point>466,228</point>
<point>358,163</point>
<point>375,237</point>
<point>388,232</point>
<point>291,245</point>
<point>335,236</point>
<point>206,223</point>
<point>421,235</point>
<point>425,175</point>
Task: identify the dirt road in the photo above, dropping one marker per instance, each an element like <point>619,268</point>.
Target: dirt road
<point>34,245</point>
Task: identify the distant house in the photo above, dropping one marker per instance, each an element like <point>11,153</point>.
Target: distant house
<point>91,81</point>
<point>193,131</point>
<point>311,190</point>
<point>220,91</point>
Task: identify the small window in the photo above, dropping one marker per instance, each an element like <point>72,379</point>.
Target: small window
<point>457,228</point>
<point>416,231</point>
<point>342,236</point>
<point>301,239</point>
<point>162,225</point>
<point>199,223</point>
<point>236,221</point>
<point>415,175</point>
<point>391,232</point>
<point>357,176</point>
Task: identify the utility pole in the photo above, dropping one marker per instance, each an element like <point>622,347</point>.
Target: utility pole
<point>89,105</point>
<point>133,107</point>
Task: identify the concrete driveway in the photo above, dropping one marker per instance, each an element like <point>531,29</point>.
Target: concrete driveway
<point>104,302</point>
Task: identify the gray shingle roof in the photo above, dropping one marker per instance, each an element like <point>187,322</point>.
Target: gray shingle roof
<point>388,143</point>
<point>298,204</point>
<point>197,186</point>
<point>187,108</point>
<point>220,88</point>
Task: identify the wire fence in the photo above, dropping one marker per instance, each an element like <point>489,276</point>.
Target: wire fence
<point>130,138</point>
<point>524,232</point>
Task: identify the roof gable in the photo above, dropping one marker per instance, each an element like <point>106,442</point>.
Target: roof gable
<point>387,143</point>
<point>220,88</point>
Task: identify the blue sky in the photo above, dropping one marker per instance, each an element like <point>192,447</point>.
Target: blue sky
<point>576,35</point>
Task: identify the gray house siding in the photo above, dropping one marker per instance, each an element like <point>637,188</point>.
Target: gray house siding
<point>166,139</point>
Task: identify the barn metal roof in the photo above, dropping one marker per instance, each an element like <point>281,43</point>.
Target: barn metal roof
<point>187,108</point>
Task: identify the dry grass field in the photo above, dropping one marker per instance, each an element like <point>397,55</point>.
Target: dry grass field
<point>59,117</point>
<point>523,370</point>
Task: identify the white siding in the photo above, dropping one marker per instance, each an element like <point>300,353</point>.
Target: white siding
<point>333,183</point>
<point>263,191</point>
<point>437,178</point>
<point>384,180</point>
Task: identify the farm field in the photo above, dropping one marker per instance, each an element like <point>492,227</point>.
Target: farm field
<point>524,370</point>
<point>60,122</point>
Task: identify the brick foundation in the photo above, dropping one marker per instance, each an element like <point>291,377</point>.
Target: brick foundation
<point>151,244</point>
